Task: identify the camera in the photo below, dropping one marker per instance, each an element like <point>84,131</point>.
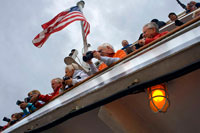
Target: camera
<point>66,78</point>
<point>88,56</point>
<point>27,99</point>
<point>13,122</point>
<point>6,119</point>
<point>19,102</point>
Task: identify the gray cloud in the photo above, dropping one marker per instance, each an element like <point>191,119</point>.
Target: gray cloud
<point>24,67</point>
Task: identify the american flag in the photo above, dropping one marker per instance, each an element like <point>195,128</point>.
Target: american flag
<point>59,22</point>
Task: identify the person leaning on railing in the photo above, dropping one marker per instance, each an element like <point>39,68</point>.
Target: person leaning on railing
<point>14,118</point>
<point>191,6</point>
<point>27,107</point>
<point>73,75</point>
<point>56,84</point>
<point>174,18</point>
<point>38,103</point>
<point>107,55</point>
<point>150,33</point>
<point>128,48</point>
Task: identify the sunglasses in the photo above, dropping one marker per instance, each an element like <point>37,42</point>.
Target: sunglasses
<point>100,51</point>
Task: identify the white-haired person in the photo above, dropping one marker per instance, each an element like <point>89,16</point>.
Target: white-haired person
<point>73,75</point>
<point>106,54</point>
<point>150,33</point>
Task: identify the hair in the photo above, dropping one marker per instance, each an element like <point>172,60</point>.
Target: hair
<point>71,67</point>
<point>192,2</point>
<point>58,80</point>
<point>34,92</point>
<point>104,45</point>
<point>152,25</point>
<point>124,41</point>
<point>17,115</point>
<point>154,20</point>
<point>172,13</point>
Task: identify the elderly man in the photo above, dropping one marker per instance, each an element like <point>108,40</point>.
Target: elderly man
<point>150,33</point>
<point>56,85</point>
<point>73,75</point>
<point>127,47</point>
<point>107,55</point>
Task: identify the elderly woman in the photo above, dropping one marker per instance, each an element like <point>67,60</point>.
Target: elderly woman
<point>73,75</point>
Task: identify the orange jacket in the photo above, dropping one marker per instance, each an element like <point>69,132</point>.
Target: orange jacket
<point>119,54</point>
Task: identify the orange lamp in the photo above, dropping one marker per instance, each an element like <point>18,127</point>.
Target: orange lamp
<point>158,98</point>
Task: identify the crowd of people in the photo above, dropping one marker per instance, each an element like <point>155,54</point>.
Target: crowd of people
<point>105,53</point>
<point>151,31</point>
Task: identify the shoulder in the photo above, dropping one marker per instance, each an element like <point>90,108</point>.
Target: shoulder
<point>163,33</point>
<point>78,72</point>
<point>120,53</point>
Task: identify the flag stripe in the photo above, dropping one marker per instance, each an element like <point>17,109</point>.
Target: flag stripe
<point>64,24</point>
<point>70,19</point>
<point>59,22</point>
<point>61,18</point>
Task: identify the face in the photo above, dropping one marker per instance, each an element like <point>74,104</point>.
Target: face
<point>105,51</point>
<point>149,32</point>
<point>173,17</point>
<point>68,72</point>
<point>55,84</point>
<point>124,43</point>
<point>13,117</point>
<point>191,6</point>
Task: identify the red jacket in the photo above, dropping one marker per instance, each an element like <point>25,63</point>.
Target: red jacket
<point>38,104</point>
<point>47,97</point>
<point>4,127</point>
<point>148,40</point>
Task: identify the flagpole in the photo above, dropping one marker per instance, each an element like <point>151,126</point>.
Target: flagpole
<point>81,4</point>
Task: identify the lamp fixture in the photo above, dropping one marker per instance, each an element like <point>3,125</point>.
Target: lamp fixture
<point>158,98</point>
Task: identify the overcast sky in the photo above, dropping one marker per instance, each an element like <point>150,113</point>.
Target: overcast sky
<point>25,67</point>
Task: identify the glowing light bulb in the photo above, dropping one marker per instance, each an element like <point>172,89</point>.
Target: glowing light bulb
<point>158,98</point>
<point>157,95</point>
